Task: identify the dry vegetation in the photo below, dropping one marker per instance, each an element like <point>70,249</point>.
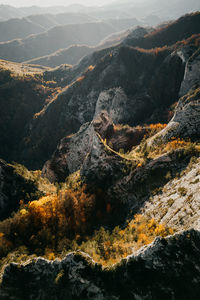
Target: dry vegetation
<point>62,220</point>
<point>106,248</point>
<point>109,248</point>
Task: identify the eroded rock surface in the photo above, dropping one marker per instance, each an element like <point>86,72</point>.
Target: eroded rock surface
<point>179,202</point>
<point>155,272</point>
<point>185,122</point>
<point>73,150</point>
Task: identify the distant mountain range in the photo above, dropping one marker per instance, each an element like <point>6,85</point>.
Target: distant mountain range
<point>8,12</point>
<point>19,28</point>
<point>164,9</point>
<point>117,9</point>
<point>60,37</point>
<point>74,53</point>
<point>63,35</point>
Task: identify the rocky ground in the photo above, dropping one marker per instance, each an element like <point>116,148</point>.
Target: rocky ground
<point>156,272</point>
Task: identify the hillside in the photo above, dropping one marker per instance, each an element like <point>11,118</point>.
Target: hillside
<point>57,38</point>
<point>182,29</point>
<point>109,205</point>
<point>92,80</point>
<point>9,12</point>
<point>166,10</point>
<point>75,53</point>
<point>22,27</point>
<point>18,28</point>
<point>23,93</point>
<point>158,86</point>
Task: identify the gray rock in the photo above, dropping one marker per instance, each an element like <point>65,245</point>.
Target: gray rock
<point>72,150</point>
<point>178,204</point>
<point>69,155</point>
<point>101,166</point>
<point>185,122</point>
<point>155,272</point>
<point>192,73</point>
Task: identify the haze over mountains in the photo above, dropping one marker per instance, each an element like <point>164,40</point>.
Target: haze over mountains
<point>100,152</point>
<point>49,32</point>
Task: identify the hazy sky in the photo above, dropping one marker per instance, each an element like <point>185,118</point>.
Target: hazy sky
<point>53,2</point>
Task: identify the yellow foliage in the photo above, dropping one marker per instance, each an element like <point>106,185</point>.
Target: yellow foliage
<point>144,239</point>
<point>50,255</point>
<point>112,247</point>
<point>23,211</point>
<point>160,230</point>
<point>91,67</point>
<point>152,224</point>
<point>79,79</point>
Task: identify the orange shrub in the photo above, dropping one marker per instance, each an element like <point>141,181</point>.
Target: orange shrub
<point>79,79</point>
<point>91,68</point>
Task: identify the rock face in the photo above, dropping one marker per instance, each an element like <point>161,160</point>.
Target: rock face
<point>156,272</point>
<point>137,186</point>
<point>69,155</point>
<point>72,151</point>
<point>186,121</point>
<point>178,203</point>
<point>13,188</point>
<point>192,72</point>
<point>101,167</point>
<point>141,93</point>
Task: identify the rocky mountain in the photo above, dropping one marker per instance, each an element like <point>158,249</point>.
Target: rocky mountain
<point>155,272</point>
<point>135,91</point>
<point>179,30</point>
<point>140,77</point>
<point>118,137</point>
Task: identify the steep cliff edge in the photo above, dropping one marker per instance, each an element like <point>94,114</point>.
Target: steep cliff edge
<point>157,271</point>
<point>140,96</point>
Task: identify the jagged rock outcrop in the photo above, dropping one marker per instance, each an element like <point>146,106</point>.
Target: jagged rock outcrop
<point>136,187</point>
<point>102,166</point>
<point>13,188</point>
<point>116,103</point>
<point>155,272</point>
<point>69,155</point>
<point>124,67</point>
<point>178,203</point>
<point>186,120</point>
<point>73,150</point>
<point>192,72</point>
